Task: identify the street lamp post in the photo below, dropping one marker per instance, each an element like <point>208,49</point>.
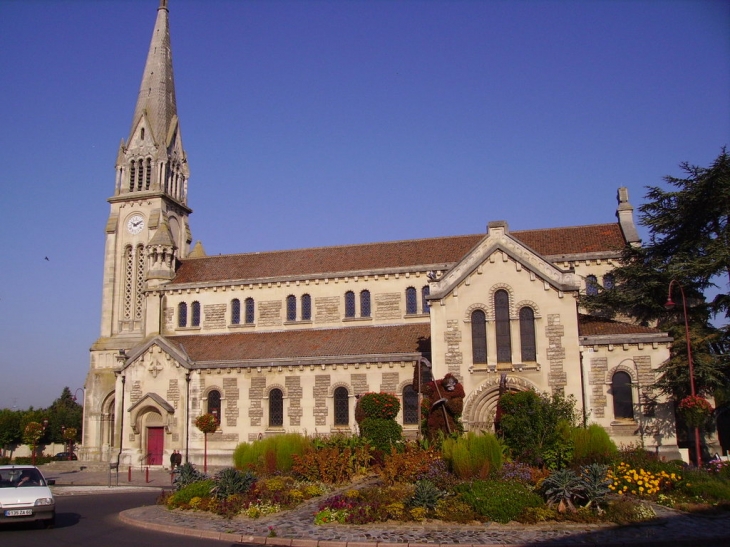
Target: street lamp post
<point>670,305</point>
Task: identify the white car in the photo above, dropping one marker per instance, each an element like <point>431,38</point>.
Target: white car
<point>25,495</point>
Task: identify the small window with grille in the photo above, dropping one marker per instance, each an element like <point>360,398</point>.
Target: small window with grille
<point>411,301</point>
<point>235,311</point>
<point>249,311</point>
<point>195,319</point>
<point>306,307</point>
<point>291,308</point>
<point>425,306</point>
<point>349,304</point>
<point>365,303</point>
<point>182,314</point>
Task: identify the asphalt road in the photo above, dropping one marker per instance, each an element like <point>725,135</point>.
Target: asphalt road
<point>91,520</point>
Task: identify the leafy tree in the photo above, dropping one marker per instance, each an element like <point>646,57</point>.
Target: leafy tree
<point>11,432</point>
<point>689,242</point>
<point>66,413</point>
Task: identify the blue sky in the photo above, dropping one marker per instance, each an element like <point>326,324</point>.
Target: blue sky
<point>314,123</point>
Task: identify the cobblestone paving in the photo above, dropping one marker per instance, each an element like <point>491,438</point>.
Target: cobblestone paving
<point>670,526</point>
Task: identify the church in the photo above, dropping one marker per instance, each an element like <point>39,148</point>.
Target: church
<point>286,341</point>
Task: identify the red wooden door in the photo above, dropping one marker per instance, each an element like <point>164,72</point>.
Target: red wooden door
<point>155,445</point>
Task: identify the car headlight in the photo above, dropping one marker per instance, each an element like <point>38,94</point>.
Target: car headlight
<point>44,501</point>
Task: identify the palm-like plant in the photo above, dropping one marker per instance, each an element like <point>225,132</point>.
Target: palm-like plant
<point>561,488</point>
<point>595,484</point>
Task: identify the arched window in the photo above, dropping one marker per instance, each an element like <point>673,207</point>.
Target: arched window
<point>235,311</point>
<point>276,408</point>
<point>306,307</point>
<point>411,301</point>
<point>410,405</point>
<point>342,406</point>
<point>591,285</point>
<point>623,399</point>
<point>501,322</point>
<point>214,404</point>
<point>425,306</point>
<point>365,303</point>
<point>291,308</point>
<point>478,337</point>
<point>182,314</point>
<point>195,319</point>
<point>527,335</point>
<point>249,311</point>
<point>609,282</point>
<point>349,304</point>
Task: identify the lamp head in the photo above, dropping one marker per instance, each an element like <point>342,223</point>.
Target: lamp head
<point>669,304</point>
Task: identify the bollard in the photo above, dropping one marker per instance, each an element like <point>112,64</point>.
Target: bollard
<point>147,475</point>
<point>129,474</point>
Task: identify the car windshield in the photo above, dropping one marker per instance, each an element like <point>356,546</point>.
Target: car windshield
<point>20,478</point>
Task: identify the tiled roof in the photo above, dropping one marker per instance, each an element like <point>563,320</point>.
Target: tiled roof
<point>308,343</point>
<point>394,254</point>
<point>589,325</point>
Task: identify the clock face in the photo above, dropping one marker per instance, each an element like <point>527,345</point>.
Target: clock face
<point>135,224</point>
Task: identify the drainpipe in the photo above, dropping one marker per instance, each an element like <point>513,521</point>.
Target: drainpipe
<point>583,389</point>
<point>187,414</point>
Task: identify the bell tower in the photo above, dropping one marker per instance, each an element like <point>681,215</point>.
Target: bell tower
<point>147,230</point>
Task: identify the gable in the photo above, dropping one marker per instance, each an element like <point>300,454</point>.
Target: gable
<point>499,246</point>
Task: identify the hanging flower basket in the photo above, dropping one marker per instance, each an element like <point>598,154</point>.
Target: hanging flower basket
<point>695,410</point>
<point>207,423</point>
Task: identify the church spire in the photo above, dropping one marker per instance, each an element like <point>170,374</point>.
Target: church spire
<point>156,96</point>
<point>153,159</point>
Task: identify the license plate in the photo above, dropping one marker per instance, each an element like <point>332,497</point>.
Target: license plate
<point>19,512</point>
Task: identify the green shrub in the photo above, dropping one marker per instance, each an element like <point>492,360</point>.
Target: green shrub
<point>473,455</point>
<point>200,489</point>
<point>272,454</point>
<point>535,426</point>
<point>382,433</point>
<point>377,405</point>
<point>230,481</point>
<point>187,474</point>
<point>700,484</point>
<point>497,500</point>
<point>592,445</point>
<point>454,510</point>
